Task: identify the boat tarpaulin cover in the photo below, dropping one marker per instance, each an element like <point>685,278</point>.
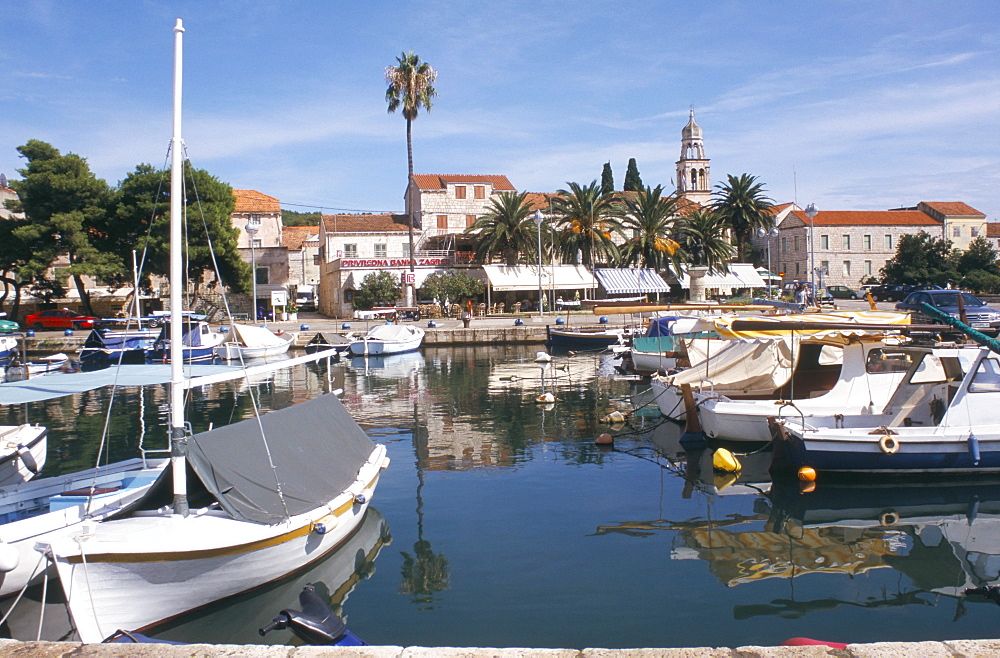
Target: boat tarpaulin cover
<point>316,447</point>
<point>630,281</point>
<point>250,336</point>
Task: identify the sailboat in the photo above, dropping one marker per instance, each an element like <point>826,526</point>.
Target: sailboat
<point>251,502</point>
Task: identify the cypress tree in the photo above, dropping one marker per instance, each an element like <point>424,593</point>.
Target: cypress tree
<point>607,179</point>
<point>633,183</point>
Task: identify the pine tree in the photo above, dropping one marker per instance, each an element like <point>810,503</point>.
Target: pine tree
<point>633,183</point>
<point>607,179</point>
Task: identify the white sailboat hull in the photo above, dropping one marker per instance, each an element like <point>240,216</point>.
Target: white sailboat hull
<point>134,573</point>
<point>23,449</point>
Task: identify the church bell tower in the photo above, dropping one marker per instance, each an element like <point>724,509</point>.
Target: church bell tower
<point>693,169</point>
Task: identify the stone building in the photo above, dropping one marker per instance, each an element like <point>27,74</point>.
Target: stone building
<point>694,171</point>
<point>258,218</point>
<point>853,245</point>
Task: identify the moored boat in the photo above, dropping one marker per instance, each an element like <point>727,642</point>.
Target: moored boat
<point>249,342</point>
<point>584,338</point>
<point>388,338</point>
<point>23,451</point>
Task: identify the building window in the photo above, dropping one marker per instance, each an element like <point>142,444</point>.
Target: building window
<point>956,231</point>
<point>263,276</point>
<point>795,243</point>
<point>469,220</point>
<point>380,250</point>
<point>974,232</point>
<point>866,241</point>
<point>406,249</point>
<point>257,243</point>
<point>847,268</point>
<point>254,220</point>
<point>824,266</point>
<point>460,191</point>
<point>442,221</point>
<point>797,270</point>
<point>888,241</point>
<point>824,242</point>
<point>846,240</point>
<point>480,191</point>
<point>784,244</point>
<point>868,268</point>
<point>350,251</point>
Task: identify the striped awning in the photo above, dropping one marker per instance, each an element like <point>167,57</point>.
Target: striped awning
<point>630,281</point>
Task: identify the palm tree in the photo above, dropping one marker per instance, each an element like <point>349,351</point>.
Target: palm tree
<point>744,207</point>
<point>505,230</point>
<point>704,231</point>
<point>587,218</point>
<point>651,218</point>
<point>411,86</point>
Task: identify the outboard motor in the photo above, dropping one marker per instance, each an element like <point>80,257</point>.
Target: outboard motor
<point>315,624</point>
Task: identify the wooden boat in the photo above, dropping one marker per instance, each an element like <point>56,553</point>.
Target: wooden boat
<point>941,420</point>
<point>584,338</point>
<point>250,342</point>
<point>388,338</point>
<point>266,496</point>
<point>326,341</point>
<point>23,450</point>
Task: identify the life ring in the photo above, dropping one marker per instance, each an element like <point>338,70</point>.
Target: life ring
<point>888,518</point>
<point>888,444</point>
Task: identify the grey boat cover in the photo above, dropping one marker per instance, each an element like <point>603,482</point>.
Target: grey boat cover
<point>316,447</point>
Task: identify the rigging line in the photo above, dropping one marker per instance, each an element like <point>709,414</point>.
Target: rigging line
<point>41,614</point>
<point>20,595</point>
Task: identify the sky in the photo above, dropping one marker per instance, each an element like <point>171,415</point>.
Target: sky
<point>850,105</point>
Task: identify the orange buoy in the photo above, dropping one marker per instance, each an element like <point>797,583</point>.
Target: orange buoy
<point>605,439</point>
<point>807,474</point>
<point>807,487</point>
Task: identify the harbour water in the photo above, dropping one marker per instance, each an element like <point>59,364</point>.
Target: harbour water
<point>501,523</point>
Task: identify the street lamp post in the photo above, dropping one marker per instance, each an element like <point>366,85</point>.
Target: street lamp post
<point>539,218</point>
<point>251,230</point>
<point>811,213</point>
<point>768,235</point>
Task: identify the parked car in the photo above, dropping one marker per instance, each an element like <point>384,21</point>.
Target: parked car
<point>7,326</point>
<point>897,292</point>
<point>843,292</point>
<point>977,314</point>
<point>60,318</point>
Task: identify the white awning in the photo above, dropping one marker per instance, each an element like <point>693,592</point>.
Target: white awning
<point>525,277</point>
<point>630,281</point>
<point>740,275</point>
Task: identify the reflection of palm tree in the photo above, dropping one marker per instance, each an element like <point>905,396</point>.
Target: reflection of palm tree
<point>424,572</point>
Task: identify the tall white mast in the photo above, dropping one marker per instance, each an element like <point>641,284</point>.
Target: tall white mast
<point>178,443</point>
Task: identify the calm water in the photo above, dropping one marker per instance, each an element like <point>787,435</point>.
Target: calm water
<point>501,523</point>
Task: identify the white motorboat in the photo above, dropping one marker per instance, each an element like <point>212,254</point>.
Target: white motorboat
<point>249,342</point>
<point>940,420</point>
<point>870,371</point>
<point>388,338</point>
<point>22,452</point>
<point>17,371</point>
<point>268,495</point>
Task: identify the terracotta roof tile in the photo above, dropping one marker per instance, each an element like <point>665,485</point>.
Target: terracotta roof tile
<point>869,218</point>
<point>254,201</point>
<point>993,229</point>
<point>499,182</point>
<point>953,208</point>
<point>365,223</point>
<point>293,237</point>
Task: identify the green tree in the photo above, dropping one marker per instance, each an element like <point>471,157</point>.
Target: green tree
<point>920,259</point>
<point>295,218</point>
<point>411,87</point>
<point>744,207</point>
<point>633,182</point>
<point>607,179</point>
<point>651,219</point>
<point>506,230</point>
<point>377,289</point>
<point>141,220</point>
<point>978,267</point>
<point>455,286</point>
<point>704,231</point>
<point>66,208</point>
<point>15,254</point>
<point>587,218</point>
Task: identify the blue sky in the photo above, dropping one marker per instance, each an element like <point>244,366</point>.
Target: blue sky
<point>850,105</point>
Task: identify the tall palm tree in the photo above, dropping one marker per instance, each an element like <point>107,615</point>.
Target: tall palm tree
<point>506,229</point>
<point>744,206</point>
<point>704,231</point>
<point>651,218</point>
<point>411,86</point>
<point>587,218</point>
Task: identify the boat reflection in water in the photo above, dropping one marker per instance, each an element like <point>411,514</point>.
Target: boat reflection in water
<point>234,620</point>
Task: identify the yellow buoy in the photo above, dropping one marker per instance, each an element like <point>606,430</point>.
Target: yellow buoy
<point>807,474</point>
<point>725,461</point>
